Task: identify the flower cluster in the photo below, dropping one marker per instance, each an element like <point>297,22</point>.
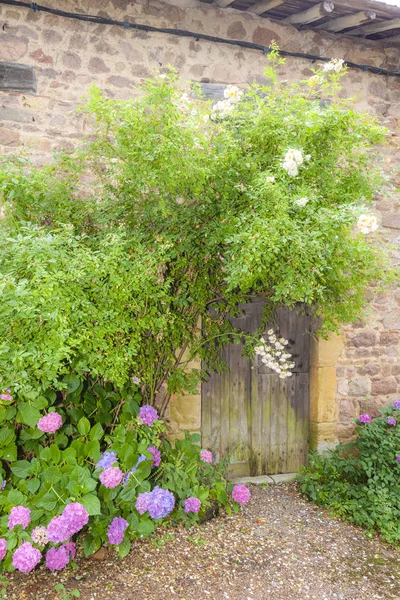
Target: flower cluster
<point>206,456</point>
<point>116,530</point>
<point>301,202</point>
<point>19,515</point>
<point>57,558</point>
<point>293,159</point>
<point>335,65</point>
<point>192,504</point>
<point>274,356</point>
<point>111,477</point>
<point>136,380</point>
<point>223,108</point>
<point>26,557</point>
<point>107,459</point>
<point>391,421</point>
<point>156,456</point>
<point>39,536</point>
<point>241,493</point>
<point>50,423</point>
<point>3,548</point>
<point>148,415</point>
<point>396,404</point>
<point>158,502</point>
<point>367,223</point>
<point>6,395</point>
<point>72,520</point>
<point>364,418</point>
<point>141,458</point>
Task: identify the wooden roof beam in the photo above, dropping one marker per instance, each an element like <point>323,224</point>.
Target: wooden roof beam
<point>316,12</point>
<point>376,27</point>
<point>348,21</point>
<point>263,6</point>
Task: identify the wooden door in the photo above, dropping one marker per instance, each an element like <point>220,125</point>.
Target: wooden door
<point>248,413</point>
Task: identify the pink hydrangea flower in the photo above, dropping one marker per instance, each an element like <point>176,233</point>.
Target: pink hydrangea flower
<point>148,415</point>
<point>39,536</point>
<point>26,557</point>
<point>71,547</point>
<point>19,515</point>
<point>50,423</point>
<point>76,516</point>
<point>111,477</point>
<point>57,558</point>
<point>241,493</point>
<point>206,456</point>
<point>116,530</point>
<point>142,502</point>
<point>364,418</point>
<point>156,456</point>
<point>3,548</point>
<point>6,396</point>
<point>58,530</point>
<point>192,504</point>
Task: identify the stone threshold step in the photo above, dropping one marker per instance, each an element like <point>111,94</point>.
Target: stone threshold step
<point>261,479</point>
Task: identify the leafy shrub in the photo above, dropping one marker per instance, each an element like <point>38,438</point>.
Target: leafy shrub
<point>99,454</point>
<point>111,255</point>
<point>360,482</point>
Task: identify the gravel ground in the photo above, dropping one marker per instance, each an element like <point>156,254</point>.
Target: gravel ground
<point>279,548</point>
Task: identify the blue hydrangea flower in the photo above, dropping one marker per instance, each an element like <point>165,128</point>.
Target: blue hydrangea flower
<point>106,460</point>
<point>161,503</point>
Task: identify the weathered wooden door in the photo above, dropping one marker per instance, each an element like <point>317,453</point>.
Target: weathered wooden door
<point>249,413</point>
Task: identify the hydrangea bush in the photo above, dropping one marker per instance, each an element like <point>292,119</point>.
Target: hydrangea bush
<point>108,477</point>
<point>360,482</point>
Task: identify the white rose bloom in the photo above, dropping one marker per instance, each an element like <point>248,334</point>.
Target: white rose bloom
<point>301,201</point>
<point>270,332</point>
<point>270,179</point>
<point>233,93</point>
<point>298,157</point>
<point>367,223</point>
<point>307,157</point>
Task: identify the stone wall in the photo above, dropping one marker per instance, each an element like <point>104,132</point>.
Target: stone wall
<point>68,56</point>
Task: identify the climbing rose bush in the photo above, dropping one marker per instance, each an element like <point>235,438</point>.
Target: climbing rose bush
<point>360,481</point>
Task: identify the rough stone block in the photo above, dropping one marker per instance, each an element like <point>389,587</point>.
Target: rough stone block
<point>360,386</point>
<point>322,394</point>
<point>367,337</point>
<point>16,77</point>
<point>325,353</point>
<point>391,220</point>
<point>384,386</point>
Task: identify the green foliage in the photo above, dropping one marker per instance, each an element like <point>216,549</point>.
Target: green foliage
<point>360,482</point>
<point>110,256</point>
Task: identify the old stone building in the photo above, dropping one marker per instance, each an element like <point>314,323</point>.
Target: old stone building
<point>356,371</point>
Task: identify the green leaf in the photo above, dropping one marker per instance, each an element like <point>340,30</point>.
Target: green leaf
<point>91,544</point>
<point>124,548</point>
<point>9,453</point>
<point>145,527</point>
<point>83,426</point>
<point>6,436</point>
<point>22,468</point>
<point>28,414</point>
<point>73,382</point>
<point>15,497</point>
<point>93,450</point>
<point>97,432</point>
<point>92,504</point>
<point>55,453</point>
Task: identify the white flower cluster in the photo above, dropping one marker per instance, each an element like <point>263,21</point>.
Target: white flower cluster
<point>335,65</point>
<point>367,223</point>
<point>273,355</point>
<point>136,380</point>
<point>301,201</point>
<point>293,159</point>
<point>223,108</point>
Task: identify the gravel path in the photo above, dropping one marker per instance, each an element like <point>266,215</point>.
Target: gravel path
<point>279,548</point>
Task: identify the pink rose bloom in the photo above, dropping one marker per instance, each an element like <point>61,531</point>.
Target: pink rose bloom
<point>26,557</point>
<point>50,423</point>
<point>241,493</point>
<point>111,477</point>
<point>206,456</point>
<point>19,515</point>
<point>3,548</point>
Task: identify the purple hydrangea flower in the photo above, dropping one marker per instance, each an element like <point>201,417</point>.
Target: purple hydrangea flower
<point>107,459</point>
<point>398,458</point>
<point>57,558</point>
<point>156,456</point>
<point>3,548</point>
<point>192,504</point>
<point>206,456</point>
<point>241,493</point>
<point>141,458</point>
<point>39,536</point>
<point>116,530</point>
<point>111,477</point>
<point>161,503</point>
<point>391,421</point>
<point>58,530</point>
<point>76,516</point>
<point>142,502</point>
<point>364,418</point>
<point>50,423</point>
<point>148,415</point>
<point>26,557</point>
<point>3,485</point>
<point>396,404</point>
<point>6,395</point>
<point>71,547</point>
<point>19,515</point>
